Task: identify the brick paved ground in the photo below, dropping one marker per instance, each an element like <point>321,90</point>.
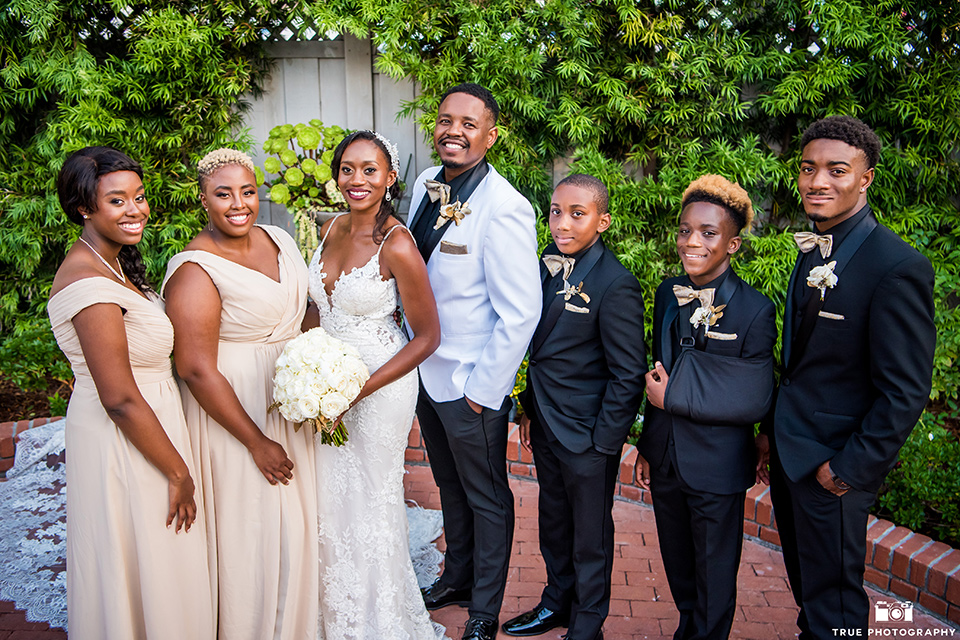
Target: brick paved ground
<point>641,606</point>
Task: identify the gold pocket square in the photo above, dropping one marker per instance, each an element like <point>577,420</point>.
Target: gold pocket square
<point>831,316</point>
<point>572,307</point>
<point>453,248</point>
<point>716,335</point>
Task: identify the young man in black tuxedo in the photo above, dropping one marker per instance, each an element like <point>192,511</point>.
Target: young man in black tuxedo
<point>584,386</point>
<point>858,341</point>
<point>712,381</point>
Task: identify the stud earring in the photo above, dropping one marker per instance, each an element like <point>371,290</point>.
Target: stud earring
<point>86,217</point>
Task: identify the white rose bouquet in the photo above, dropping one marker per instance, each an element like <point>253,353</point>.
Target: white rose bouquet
<point>317,378</point>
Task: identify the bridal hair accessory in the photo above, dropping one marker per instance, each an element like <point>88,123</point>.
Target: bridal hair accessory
<point>823,278</point>
<point>569,291</point>
<point>555,263</point>
<point>392,151</point>
<point>807,240</point>
<point>222,157</point>
<point>119,274</point>
<point>317,378</point>
<point>686,295</point>
<point>456,211</point>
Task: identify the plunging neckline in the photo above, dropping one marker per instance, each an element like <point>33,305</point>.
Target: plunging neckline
<point>273,241</point>
<point>330,294</point>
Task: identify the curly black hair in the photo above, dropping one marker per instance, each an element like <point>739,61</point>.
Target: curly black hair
<point>845,129</point>
<point>600,194</point>
<point>77,186</point>
<point>477,91</point>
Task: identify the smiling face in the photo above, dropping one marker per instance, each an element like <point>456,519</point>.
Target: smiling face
<point>833,181</point>
<point>463,134</point>
<point>575,222</point>
<point>364,175</point>
<point>230,198</point>
<point>121,211</point>
<point>706,239</point>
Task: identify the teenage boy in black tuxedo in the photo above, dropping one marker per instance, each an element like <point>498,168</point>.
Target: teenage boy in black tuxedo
<point>584,386</point>
<point>712,381</point>
<point>858,340</point>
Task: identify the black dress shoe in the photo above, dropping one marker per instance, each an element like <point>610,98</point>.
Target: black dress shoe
<point>480,629</point>
<point>437,596</point>
<point>533,623</point>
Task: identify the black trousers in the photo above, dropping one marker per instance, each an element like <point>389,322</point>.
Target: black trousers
<point>824,542</point>
<point>468,457</point>
<point>701,537</point>
<point>576,530</point>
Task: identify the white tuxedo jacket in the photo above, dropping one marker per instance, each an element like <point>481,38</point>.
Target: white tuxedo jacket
<point>486,280</point>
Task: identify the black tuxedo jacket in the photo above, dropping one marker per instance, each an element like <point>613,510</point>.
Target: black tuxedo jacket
<point>857,375</point>
<point>712,407</point>
<point>587,359</point>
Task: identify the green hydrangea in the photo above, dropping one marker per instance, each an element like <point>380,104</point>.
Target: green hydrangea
<point>272,165</point>
<point>280,194</point>
<point>309,138</point>
<point>293,176</point>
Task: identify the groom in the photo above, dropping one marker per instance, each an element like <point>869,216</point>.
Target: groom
<point>477,236</point>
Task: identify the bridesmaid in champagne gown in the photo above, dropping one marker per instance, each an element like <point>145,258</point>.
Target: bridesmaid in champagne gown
<point>236,295</point>
<point>131,469</point>
<point>368,590</point>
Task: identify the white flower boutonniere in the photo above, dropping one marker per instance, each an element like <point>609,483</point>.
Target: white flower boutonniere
<point>823,278</point>
<point>707,315</point>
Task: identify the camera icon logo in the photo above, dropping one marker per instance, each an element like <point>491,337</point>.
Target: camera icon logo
<point>893,611</point>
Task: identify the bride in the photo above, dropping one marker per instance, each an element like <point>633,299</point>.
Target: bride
<point>368,590</point>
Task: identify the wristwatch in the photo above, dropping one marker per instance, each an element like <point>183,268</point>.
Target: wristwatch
<point>839,484</point>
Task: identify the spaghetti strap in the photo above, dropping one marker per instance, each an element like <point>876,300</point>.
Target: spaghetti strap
<point>387,235</point>
<point>332,221</point>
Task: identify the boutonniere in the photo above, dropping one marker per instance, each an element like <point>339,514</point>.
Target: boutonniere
<point>455,212</point>
<point>569,291</point>
<point>707,315</point>
<point>823,278</point>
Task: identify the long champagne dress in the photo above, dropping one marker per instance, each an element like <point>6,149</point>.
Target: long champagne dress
<point>128,575</point>
<point>263,545</point>
<point>368,589</point>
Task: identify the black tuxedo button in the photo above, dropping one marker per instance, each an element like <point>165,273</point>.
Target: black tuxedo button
<point>786,382</point>
<point>533,363</point>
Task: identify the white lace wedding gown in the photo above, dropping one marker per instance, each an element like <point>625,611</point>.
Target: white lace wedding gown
<point>368,589</point>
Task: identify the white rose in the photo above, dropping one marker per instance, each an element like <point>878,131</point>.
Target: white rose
<point>336,377</point>
<point>291,413</point>
<point>351,389</point>
<point>309,406</point>
<point>333,404</point>
<point>355,369</point>
<point>283,378</point>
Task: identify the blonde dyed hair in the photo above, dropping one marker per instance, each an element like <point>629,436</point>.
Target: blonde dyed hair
<point>221,158</point>
<point>721,192</point>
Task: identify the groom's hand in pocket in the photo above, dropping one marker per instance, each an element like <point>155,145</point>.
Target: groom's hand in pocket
<point>473,405</point>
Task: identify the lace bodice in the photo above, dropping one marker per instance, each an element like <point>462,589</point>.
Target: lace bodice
<point>361,307</point>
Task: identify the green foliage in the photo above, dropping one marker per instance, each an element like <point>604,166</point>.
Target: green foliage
<point>305,180</point>
<point>28,356</point>
<point>160,81</point>
<point>923,490</point>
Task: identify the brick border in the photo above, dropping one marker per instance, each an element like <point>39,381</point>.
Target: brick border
<point>907,564</point>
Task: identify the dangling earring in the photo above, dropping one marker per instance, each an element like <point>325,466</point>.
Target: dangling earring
<point>387,197</point>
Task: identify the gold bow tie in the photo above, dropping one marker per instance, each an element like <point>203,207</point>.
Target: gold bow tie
<point>807,240</point>
<point>555,263</point>
<point>438,191</point>
<point>686,295</point>
<point>569,291</point>
<point>455,212</point>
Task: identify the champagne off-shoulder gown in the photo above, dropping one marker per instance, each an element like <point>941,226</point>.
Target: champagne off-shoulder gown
<point>128,575</point>
<point>263,540</point>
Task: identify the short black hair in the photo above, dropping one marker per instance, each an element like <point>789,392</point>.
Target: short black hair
<point>600,194</point>
<point>845,129</point>
<point>477,91</point>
